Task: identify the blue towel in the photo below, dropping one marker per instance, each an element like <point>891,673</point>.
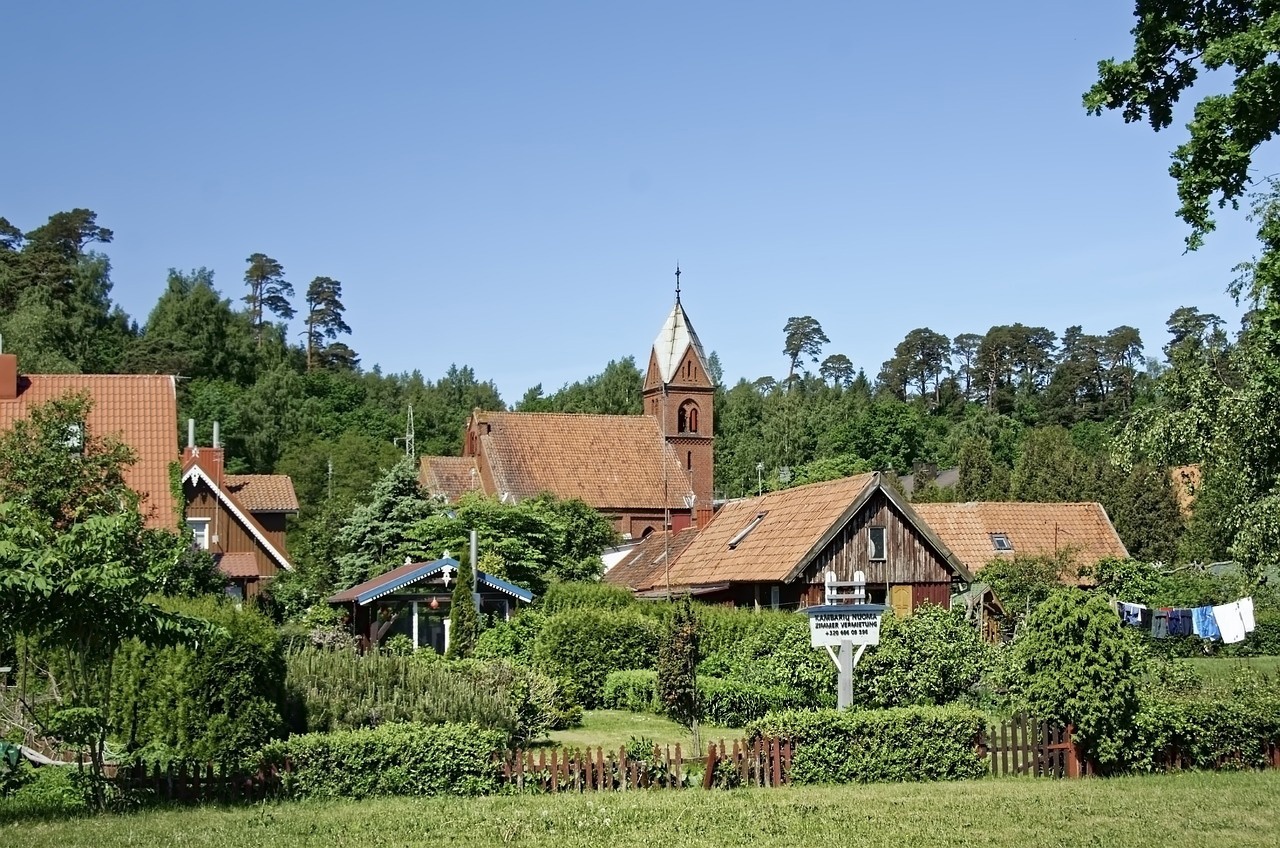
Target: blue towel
<point>1206,626</point>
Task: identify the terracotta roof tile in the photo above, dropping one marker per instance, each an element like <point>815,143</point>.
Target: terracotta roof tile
<point>794,521</point>
<point>139,409</point>
<point>608,461</point>
<point>645,567</point>
<point>263,492</point>
<point>448,476</point>
<point>237,565</point>
<point>1032,528</point>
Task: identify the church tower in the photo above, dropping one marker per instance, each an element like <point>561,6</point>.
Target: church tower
<point>678,392</point>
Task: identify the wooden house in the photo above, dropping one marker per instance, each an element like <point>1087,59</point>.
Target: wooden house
<point>774,551</point>
<point>239,518</point>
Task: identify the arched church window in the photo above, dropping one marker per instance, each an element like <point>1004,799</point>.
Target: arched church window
<point>687,417</point>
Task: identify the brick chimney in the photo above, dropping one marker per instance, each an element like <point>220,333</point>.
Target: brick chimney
<point>702,516</point>
<point>8,376</point>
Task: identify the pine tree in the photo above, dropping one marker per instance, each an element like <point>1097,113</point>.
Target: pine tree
<point>324,321</point>
<point>465,627</point>
<point>268,292</point>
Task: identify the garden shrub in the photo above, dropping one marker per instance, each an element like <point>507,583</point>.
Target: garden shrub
<point>581,646</point>
<point>898,744</point>
<point>213,701</point>
<point>581,595</point>
<point>345,690</point>
<point>48,792</point>
<point>511,640</point>
<point>393,759</point>
<point>1206,732</point>
<point>1077,667</point>
<point>775,654</point>
<point>931,657</point>
<point>635,690</point>
<point>733,703</point>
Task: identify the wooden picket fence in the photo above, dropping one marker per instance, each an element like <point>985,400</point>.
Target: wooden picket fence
<point>1020,746</point>
<point>183,782</point>
<point>767,762</point>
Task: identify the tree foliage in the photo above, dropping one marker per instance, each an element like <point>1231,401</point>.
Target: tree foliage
<point>465,618</point>
<point>1078,668</point>
<point>1172,42</point>
<point>678,658</point>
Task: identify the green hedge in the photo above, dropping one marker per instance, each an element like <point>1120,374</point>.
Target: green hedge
<point>733,703</point>
<point>215,701</point>
<point>581,646</point>
<point>1207,733</point>
<point>341,690</point>
<point>574,595</point>
<point>633,689</point>
<point>900,744</point>
<point>394,759</point>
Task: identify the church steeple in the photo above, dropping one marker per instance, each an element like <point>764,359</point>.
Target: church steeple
<point>678,392</point>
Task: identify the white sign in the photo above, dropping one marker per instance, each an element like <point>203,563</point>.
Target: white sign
<point>861,627</point>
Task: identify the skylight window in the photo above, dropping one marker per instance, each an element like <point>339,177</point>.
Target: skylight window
<point>1000,541</point>
<point>742,534</point>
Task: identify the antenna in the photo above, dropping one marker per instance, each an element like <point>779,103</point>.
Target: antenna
<point>409,447</point>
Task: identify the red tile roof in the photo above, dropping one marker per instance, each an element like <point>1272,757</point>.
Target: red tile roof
<point>237,565</point>
<point>794,521</point>
<point>263,492</point>
<point>645,566</point>
<point>139,409</point>
<point>1037,529</point>
<point>608,461</point>
<point>449,476</point>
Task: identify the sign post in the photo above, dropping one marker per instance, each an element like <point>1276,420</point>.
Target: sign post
<point>843,622</point>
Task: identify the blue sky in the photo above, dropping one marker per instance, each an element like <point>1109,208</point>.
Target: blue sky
<point>509,185</point>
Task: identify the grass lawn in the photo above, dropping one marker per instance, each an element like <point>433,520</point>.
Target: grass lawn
<point>1204,810</point>
<point>611,729</point>
<point>1219,669</point>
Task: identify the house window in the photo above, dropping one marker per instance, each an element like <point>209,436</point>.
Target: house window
<point>1000,541</point>
<point>687,417</point>
<point>775,597</point>
<point>742,534</point>
<point>875,544</point>
<point>689,461</point>
<point>200,530</point>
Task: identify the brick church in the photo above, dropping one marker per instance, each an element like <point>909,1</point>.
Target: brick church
<point>637,469</point>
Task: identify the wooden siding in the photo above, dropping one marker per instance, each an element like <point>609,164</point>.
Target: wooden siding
<point>232,537</point>
<point>908,557</point>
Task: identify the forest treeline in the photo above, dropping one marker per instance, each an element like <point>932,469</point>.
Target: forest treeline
<point>1024,412</point>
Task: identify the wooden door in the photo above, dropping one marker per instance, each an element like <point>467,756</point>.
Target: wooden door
<point>900,600</point>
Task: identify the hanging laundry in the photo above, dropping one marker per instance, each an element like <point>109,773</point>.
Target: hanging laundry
<point>1203,624</point>
<point>1246,614</point>
<point>1230,624</point>
<point>1131,614</point>
<point>1160,623</point>
<point>1180,622</point>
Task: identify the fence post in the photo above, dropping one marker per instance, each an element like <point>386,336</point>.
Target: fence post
<point>1072,754</point>
<point>679,766</point>
<point>709,776</point>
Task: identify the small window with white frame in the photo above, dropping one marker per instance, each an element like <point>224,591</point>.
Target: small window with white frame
<point>876,544</point>
<point>200,532</point>
<point>1001,542</point>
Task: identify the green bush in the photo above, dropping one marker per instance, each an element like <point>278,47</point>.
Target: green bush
<point>1078,667</point>
<point>769,650</point>
<point>48,792</point>
<point>394,759</point>
<point>733,703</point>
<point>344,690</point>
<point>577,595</point>
<point>511,640</point>
<point>214,701</point>
<point>931,657</point>
<point>1206,733</point>
<point>633,689</point>
<point>899,744</point>
<point>581,646</point>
